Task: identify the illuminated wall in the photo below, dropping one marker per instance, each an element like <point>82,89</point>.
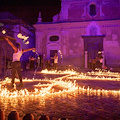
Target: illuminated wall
<point>79,18</point>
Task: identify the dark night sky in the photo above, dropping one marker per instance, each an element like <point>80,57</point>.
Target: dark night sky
<point>29,10</point>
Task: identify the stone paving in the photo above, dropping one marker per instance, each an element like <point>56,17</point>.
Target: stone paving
<point>74,106</point>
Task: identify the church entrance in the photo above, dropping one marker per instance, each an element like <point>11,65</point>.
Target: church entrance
<point>93,47</point>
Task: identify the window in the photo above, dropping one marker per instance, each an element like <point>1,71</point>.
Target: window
<point>92,10</point>
<point>54,38</point>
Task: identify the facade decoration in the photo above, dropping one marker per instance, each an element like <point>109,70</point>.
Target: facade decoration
<point>85,29</point>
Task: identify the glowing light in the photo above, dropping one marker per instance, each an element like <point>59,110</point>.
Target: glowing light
<point>61,86</point>
<point>46,90</point>
<point>59,72</point>
<point>27,42</point>
<point>60,53</point>
<point>22,37</point>
<point>3,31</point>
<point>19,35</point>
<point>99,52</point>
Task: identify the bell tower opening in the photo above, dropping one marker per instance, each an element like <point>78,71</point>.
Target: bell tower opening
<point>92,10</point>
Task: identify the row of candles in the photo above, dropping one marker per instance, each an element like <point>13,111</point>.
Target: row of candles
<point>67,85</point>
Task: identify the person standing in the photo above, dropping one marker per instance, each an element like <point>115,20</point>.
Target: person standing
<point>55,61</point>
<point>101,62</point>
<point>16,64</point>
<point>32,63</point>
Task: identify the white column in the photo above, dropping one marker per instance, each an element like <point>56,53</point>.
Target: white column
<point>39,42</point>
<point>86,61</point>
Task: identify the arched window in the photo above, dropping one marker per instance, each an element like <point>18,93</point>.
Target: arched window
<point>54,38</point>
<point>92,10</point>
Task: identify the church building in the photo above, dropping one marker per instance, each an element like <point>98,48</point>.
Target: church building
<point>83,30</point>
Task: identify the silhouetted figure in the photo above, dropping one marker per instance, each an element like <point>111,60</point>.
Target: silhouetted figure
<point>28,116</point>
<point>97,63</point>
<point>93,64</point>
<point>55,61</point>
<point>48,65</point>
<point>13,116</point>
<point>90,63</point>
<point>62,119</point>
<point>42,64</point>
<point>32,63</point>
<point>101,62</point>
<point>44,117</point>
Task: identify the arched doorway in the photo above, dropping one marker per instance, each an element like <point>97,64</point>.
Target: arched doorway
<point>52,48</point>
<point>92,46</point>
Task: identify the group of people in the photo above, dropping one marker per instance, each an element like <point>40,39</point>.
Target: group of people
<point>34,63</point>
<point>47,64</point>
<point>31,63</point>
<point>96,63</point>
<point>16,64</point>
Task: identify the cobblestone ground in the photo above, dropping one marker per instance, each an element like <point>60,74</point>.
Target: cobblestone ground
<point>74,106</point>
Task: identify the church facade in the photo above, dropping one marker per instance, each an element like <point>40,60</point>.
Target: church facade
<point>80,32</point>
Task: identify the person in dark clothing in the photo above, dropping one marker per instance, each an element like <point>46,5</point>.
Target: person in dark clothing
<point>32,63</point>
